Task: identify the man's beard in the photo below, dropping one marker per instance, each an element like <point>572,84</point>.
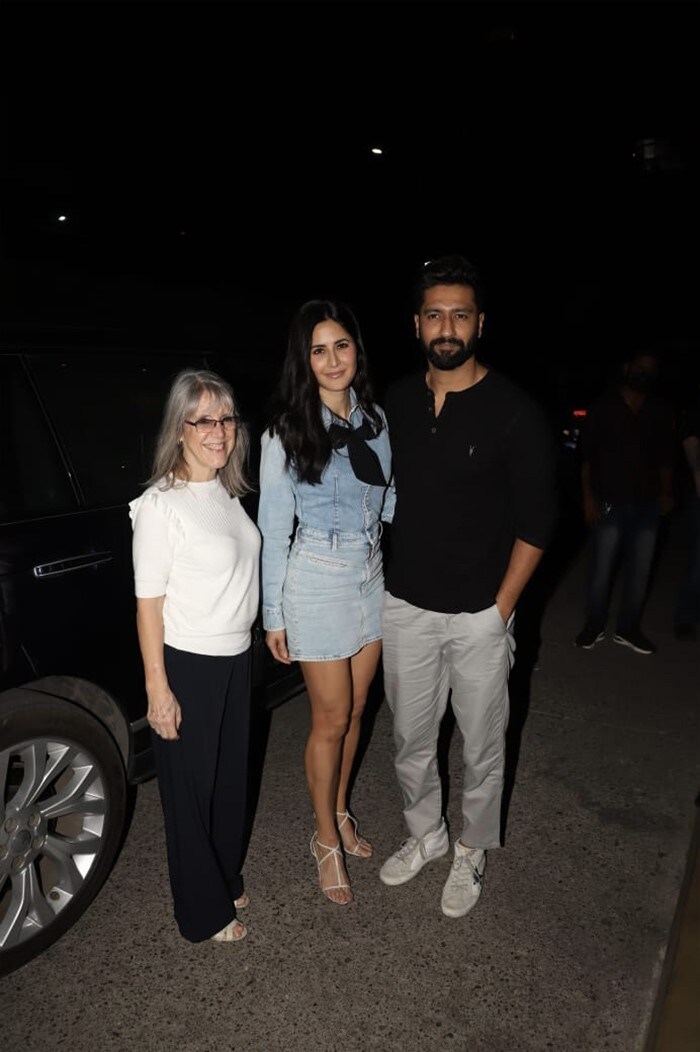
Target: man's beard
<point>454,354</point>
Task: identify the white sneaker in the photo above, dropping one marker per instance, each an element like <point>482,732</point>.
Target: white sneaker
<point>413,855</point>
<point>463,887</point>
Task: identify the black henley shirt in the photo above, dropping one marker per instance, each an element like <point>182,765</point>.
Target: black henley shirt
<point>469,482</point>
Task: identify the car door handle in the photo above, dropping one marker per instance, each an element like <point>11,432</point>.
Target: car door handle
<point>73,562</point>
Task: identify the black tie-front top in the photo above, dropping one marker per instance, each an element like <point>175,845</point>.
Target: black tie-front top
<point>363,460</point>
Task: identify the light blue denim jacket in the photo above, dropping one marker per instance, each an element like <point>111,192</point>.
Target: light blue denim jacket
<point>338,504</point>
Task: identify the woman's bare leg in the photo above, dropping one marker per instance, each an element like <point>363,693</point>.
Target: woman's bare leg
<point>363,668</point>
<point>329,686</point>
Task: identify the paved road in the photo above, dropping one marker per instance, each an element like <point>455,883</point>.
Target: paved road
<point>563,952</point>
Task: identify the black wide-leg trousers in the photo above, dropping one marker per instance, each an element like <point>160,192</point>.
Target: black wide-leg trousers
<point>202,779</point>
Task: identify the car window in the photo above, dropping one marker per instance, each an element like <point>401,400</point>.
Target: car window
<point>33,479</point>
<point>107,407</point>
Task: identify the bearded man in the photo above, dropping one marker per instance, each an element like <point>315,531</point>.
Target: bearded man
<point>474,474</point>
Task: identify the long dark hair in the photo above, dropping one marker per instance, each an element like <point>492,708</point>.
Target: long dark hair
<point>296,414</point>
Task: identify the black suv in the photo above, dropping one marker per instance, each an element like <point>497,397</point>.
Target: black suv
<point>77,427</point>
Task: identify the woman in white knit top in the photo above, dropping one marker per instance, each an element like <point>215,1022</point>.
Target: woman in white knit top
<point>196,556</point>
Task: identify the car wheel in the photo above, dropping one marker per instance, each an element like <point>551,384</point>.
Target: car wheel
<point>62,820</point>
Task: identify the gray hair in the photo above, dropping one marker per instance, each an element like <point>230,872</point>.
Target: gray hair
<point>168,461</point>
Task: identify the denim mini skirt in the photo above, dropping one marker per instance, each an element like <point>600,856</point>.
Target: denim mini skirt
<point>333,594</point>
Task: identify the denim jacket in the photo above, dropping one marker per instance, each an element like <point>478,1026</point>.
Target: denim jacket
<point>339,503</point>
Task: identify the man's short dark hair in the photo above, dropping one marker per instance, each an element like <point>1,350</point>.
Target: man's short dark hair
<point>447,270</point>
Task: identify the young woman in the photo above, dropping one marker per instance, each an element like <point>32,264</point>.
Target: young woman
<point>324,488</point>
<point>196,565</point>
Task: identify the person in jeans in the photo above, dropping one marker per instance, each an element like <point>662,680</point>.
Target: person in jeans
<point>474,478</point>
<point>324,474</point>
<point>687,612</point>
<point>627,459</point>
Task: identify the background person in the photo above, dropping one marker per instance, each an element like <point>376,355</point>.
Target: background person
<point>475,504</point>
<point>687,612</point>
<point>196,565</point>
<point>325,466</point>
<point>627,459</point>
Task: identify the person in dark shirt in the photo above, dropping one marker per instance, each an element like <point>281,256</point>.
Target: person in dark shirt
<point>627,456</point>
<point>473,461</point>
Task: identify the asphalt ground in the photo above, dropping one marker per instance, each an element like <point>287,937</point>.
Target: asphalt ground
<point>568,949</point>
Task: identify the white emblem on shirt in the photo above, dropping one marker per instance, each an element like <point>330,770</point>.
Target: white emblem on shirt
<point>471,450</point>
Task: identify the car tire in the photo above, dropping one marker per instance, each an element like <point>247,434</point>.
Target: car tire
<point>63,786</point>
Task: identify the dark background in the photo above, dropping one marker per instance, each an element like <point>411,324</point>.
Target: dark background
<point>213,162</point>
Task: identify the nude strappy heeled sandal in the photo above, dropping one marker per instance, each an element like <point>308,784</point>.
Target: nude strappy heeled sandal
<point>361,848</point>
<point>336,854</point>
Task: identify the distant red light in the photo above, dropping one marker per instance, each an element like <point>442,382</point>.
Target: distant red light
<point>580,412</point>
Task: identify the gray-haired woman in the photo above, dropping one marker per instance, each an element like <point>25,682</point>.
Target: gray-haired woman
<point>196,555</point>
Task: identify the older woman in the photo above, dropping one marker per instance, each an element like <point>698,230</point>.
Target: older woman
<point>196,554</point>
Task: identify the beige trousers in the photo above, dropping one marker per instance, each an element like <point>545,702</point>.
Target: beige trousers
<point>426,656</point>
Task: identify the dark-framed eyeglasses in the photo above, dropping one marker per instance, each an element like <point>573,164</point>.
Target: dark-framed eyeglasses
<point>206,424</point>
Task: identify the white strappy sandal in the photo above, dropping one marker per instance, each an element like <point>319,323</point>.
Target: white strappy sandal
<point>361,848</point>
<point>336,854</point>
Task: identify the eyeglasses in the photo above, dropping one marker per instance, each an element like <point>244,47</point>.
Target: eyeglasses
<point>207,424</point>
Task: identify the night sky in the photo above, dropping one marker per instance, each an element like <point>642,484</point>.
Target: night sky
<point>213,162</point>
